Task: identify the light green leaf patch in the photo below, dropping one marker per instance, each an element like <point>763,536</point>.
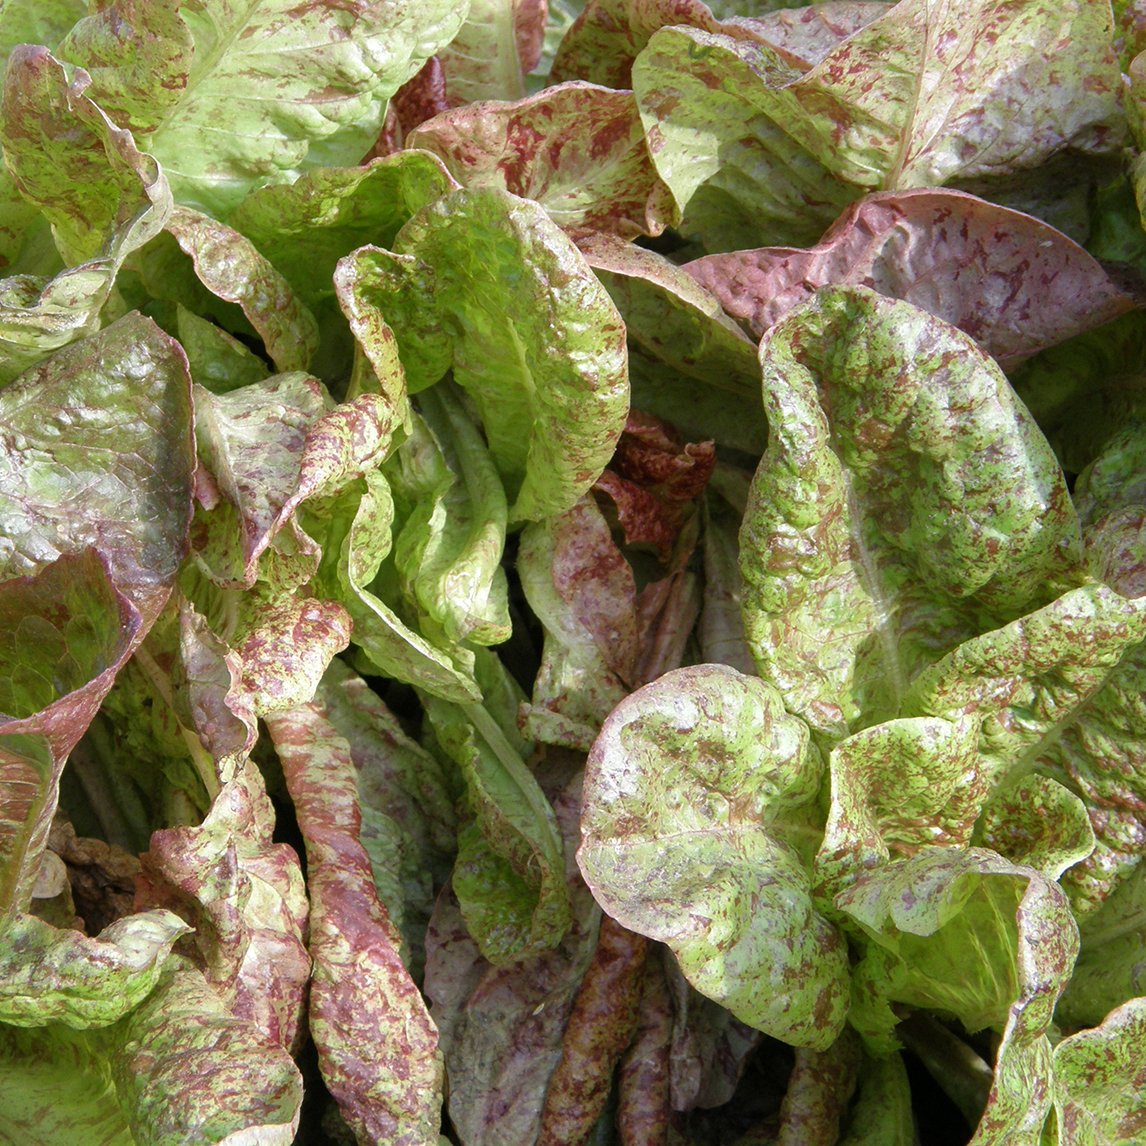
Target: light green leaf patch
<point>263,90</point>
<point>758,152</point>
<point>699,810</point>
<point>48,975</point>
<point>905,501</point>
<point>487,284</point>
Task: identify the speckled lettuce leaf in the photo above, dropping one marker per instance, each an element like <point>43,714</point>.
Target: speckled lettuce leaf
<point>879,533</point>
<point>1013,283</point>
<point>689,363</point>
<point>541,354</point>
<point>77,172</point>
<point>245,896</point>
<point>33,22</point>
<point>65,632</point>
<point>231,268</point>
<point>577,149</point>
<point>924,916</point>
<point>265,90</point>
<point>501,1027</point>
<point>448,551</point>
<point>488,57</point>
<point>581,588</point>
<point>881,1113</point>
<point>49,975</point>
<point>758,152</point>
<point>306,227</point>
<point>407,805</point>
<point>377,1046</point>
<point>721,628</point>
<point>698,812</point>
<point>1038,822</point>
<point>509,877</point>
<point>356,529</point>
<point>1099,1082</point>
<point>1109,969</point>
<point>178,1068</point>
<point>898,786</point>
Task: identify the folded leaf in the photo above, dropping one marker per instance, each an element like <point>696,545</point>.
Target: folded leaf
<point>1010,281</point>
<point>488,57</point>
<point>48,975</point>
<point>581,588</point>
<point>757,152</point>
<point>232,269</point>
<point>541,356</point>
<point>246,898</point>
<point>377,1047</point>
<point>577,149</point>
<point>1098,1080</point>
<point>509,877</point>
<point>695,817</point>
<point>905,501</point>
<point>265,90</point>
<point>103,197</point>
<point>450,547</point>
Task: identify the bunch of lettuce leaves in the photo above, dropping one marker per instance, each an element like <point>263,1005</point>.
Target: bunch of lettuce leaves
<point>573,572</point>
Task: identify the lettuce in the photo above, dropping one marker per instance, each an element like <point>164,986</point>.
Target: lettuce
<point>572,572</point>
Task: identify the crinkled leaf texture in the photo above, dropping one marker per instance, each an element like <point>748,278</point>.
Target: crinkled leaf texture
<point>698,793</point>
<point>1013,283</point>
<point>486,284</point>
<point>968,934</point>
<point>268,88</point>
<point>103,197</point>
<point>377,1047</point>
<point>758,151</point>
<point>906,501</point>
<point>179,1068</point>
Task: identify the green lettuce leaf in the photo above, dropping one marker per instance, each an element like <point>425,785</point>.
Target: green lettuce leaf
<point>179,1068</point>
<point>542,356</point>
<point>906,500</point>
<point>1098,1080</point>
<point>695,824</point>
<point>758,151</point>
<point>261,91</point>
<point>498,43</point>
<point>48,975</point>
<point>246,898</point>
<point>509,877</point>
<point>102,196</point>
<point>449,549</point>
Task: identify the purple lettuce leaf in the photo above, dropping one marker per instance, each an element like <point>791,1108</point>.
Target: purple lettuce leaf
<point>377,1046</point>
<point>1013,283</point>
<point>577,149</point>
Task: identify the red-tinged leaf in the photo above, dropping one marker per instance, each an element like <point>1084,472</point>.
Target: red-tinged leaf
<point>609,34</point>
<point>667,611</point>
<point>230,266</point>
<point>600,1027</point>
<point>819,1089</point>
<point>531,17</point>
<point>98,452</point>
<point>643,1091</point>
<point>577,149</point>
<point>644,518</point>
<point>285,656</point>
<point>1012,282</point>
<point>377,1047</point>
<point>805,35</point>
<point>502,1027</point>
<point>422,97</point>
<point>245,897</point>
<point>64,634</point>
